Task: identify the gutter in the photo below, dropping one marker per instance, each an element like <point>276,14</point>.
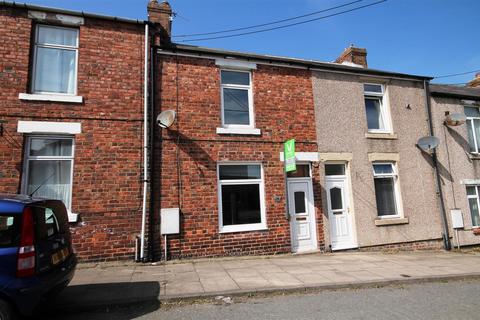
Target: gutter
<point>445,235</point>
<point>70,12</point>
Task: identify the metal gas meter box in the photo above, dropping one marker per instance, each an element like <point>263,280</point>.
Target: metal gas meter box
<point>170,223</point>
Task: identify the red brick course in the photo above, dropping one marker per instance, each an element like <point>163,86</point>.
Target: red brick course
<point>108,155</point>
<point>407,246</point>
<point>191,149</point>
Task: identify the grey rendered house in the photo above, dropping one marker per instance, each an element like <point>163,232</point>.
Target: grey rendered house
<point>459,156</point>
<point>378,188</point>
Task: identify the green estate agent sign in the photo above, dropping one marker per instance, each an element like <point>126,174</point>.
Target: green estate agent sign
<point>289,154</point>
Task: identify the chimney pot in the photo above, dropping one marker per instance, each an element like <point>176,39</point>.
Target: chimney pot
<point>353,56</point>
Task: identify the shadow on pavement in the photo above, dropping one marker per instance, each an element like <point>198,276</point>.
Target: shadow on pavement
<point>133,298</point>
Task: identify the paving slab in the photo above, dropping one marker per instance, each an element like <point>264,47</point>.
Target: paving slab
<point>102,284</point>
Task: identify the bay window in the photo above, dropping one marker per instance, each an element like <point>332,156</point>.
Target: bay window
<point>241,197</point>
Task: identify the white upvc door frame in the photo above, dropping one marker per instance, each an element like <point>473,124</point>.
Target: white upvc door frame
<point>347,196</point>
<point>311,210</point>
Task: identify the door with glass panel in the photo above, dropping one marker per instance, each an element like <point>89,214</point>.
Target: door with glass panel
<point>48,168</point>
<point>301,210</point>
<point>340,215</point>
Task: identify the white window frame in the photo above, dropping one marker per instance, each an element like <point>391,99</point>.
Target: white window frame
<point>241,227</point>
<point>54,46</point>
<point>470,122</point>
<point>475,196</point>
<point>384,112</point>
<point>29,158</point>
<point>251,113</point>
<point>396,191</point>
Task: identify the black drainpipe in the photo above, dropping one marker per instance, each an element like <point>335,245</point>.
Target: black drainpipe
<point>153,107</point>
<point>446,236</point>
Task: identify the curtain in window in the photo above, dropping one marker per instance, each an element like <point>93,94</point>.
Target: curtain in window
<point>55,70</point>
<point>55,67</point>
<point>51,179</point>
<point>385,195</point>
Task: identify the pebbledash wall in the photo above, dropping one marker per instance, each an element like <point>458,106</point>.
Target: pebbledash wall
<point>193,147</point>
<point>458,157</point>
<point>105,123</point>
<point>344,137</point>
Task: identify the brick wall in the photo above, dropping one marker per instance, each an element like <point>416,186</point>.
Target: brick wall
<point>108,155</point>
<point>191,149</point>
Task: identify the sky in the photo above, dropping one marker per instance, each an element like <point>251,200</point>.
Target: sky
<point>423,37</point>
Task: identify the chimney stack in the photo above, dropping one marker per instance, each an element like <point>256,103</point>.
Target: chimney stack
<point>353,56</point>
<point>161,15</point>
<point>475,82</point>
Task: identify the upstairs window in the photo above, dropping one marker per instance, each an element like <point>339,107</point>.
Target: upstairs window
<point>385,179</point>
<point>473,127</point>
<point>237,104</point>
<point>55,60</point>
<point>377,118</point>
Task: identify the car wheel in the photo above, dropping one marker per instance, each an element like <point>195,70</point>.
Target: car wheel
<point>6,312</point>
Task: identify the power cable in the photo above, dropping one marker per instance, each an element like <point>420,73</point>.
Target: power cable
<point>266,24</point>
<point>456,74</point>
<point>285,26</point>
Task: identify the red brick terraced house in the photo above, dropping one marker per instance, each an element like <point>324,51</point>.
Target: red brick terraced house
<point>220,165</point>
<point>78,121</point>
<point>71,113</point>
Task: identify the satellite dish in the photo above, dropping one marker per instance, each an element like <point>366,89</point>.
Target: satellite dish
<point>166,118</point>
<point>455,119</point>
<point>428,143</point>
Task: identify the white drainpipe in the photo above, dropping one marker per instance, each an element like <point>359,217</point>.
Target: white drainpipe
<point>145,148</point>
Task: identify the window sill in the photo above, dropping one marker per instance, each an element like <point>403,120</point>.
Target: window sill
<point>385,136</point>
<point>390,221</point>
<point>243,228</point>
<point>72,217</point>
<point>250,131</point>
<point>50,97</point>
<point>474,156</point>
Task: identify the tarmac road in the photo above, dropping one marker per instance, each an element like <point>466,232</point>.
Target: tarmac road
<point>445,300</point>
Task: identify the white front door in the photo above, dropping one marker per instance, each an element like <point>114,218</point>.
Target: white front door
<point>302,215</point>
<point>339,214</point>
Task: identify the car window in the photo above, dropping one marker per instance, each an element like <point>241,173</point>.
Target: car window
<point>9,231</point>
<point>46,223</point>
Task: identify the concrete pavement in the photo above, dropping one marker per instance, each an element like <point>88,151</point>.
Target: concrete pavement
<point>101,285</point>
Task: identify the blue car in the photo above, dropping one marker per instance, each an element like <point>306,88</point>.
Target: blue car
<point>36,254</point>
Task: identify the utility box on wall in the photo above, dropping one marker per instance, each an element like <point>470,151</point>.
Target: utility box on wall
<point>457,219</point>
<point>170,221</point>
